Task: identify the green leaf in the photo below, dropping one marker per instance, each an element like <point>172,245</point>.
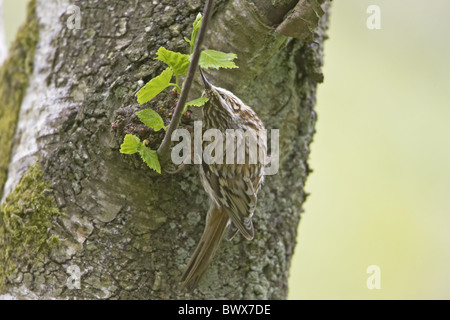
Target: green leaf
<point>197,102</point>
<point>196,28</point>
<point>197,22</point>
<point>131,144</point>
<point>155,86</point>
<point>212,59</point>
<point>151,119</point>
<point>177,61</point>
<point>150,157</point>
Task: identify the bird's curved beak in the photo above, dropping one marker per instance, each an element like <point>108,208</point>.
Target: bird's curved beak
<point>205,81</point>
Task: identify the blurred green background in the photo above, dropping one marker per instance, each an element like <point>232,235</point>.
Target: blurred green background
<point>380,190</point>
<point>14,12</point>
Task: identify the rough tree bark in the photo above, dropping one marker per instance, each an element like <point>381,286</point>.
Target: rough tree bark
<point>71,201</point>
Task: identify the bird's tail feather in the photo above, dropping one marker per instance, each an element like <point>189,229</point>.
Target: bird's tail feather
<point>216,223</point>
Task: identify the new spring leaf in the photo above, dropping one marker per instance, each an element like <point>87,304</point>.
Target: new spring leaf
<point>195,103</point>
<point>177,61</point>
<point>151,119</point>
<point>155,86</point>
<point>131,145</point>
<point>212,59</point>
<point>195,30</point>
<point>150,157</point>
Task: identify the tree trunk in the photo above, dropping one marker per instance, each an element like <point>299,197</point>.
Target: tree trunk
<point>79,219</point>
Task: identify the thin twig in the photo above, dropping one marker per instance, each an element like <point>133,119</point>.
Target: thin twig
<point>164,148</point>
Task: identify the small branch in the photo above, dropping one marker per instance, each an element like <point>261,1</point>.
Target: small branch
<point>164,148</point>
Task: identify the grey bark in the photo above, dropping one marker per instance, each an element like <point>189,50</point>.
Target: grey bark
<point>130,231</point>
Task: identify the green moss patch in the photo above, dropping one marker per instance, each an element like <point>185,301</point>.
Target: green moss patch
<point>25,220</point>
<point>14,81</point>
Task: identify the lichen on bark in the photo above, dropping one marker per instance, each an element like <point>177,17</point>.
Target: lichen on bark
<point>25,220</point>
<point>14,79</point>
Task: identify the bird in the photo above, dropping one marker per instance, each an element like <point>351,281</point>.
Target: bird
<point>232,187</point>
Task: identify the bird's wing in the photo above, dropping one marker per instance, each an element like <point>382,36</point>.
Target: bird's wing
<point>239,200</point>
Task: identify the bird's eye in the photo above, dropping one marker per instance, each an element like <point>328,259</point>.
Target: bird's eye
<point>222,96</point>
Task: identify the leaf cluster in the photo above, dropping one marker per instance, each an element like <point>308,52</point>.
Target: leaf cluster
<point>177,66</point>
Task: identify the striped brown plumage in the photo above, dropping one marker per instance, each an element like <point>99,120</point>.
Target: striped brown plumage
<point>232,188</point>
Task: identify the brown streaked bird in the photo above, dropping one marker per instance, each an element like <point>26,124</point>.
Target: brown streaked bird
<point>232,188</point>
